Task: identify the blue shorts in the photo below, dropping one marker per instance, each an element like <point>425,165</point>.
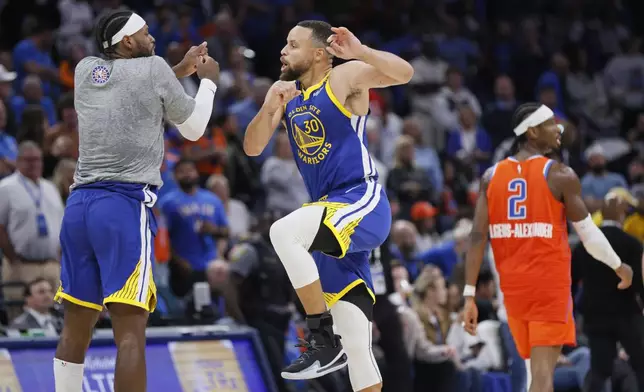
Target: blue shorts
<point>359,217</point>
<point>338,276</point>
<point>107,240</point>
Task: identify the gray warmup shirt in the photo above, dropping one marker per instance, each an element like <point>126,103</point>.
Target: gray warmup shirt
<point>121,105</point>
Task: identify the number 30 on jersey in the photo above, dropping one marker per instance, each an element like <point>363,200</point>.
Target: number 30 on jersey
<point>517,209</point>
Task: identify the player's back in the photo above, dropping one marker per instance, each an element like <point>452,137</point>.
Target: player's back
<point>328,142</point>
<point>120,119</point>
<point>528,231</point>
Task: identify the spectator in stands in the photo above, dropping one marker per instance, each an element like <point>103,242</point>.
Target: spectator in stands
<point>33,126</point>
<point>457,50</point>
<point>624,76</point>
<point>547,95</point>
<point>76,24</point>
<point>244,110</point>
<point>425,156</point>
<point>486,296</point>
<point>497,117</point>
<point>39,302</point>
<point>636,134</point>
<point>259,293</point>
<point>174,55</point>
<point>76,51</point>
<point>6,92</point>
<point>406,183</point>
<point>439,367</point>
<point>239,218</point>
<point>66,126</point>
<point>31,212</point>
<point>450,253</point>
<point>198,229</point>
<point>423,216</point>
<point>451,97</point>
<point>283,184</point>
<point>32,56</point>
<point>236,81</point>
<point>429,76</point>
<point>571,370</point>
<point>32,94</point>
<point>241,170</point>
<point>63,177</point>
<point>373,129</point>
<point>596,183</point>
<point>469,143</point>
<point>8,146</point>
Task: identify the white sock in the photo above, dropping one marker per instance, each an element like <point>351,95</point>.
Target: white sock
<point>529,373</point>
<point>68,376</point>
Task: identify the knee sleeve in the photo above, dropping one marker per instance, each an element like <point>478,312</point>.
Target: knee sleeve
<point>355,329</point>
<point>292,237</point>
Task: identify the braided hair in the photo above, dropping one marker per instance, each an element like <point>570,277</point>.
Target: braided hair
<point>521,114</point>
<point>107,27</point>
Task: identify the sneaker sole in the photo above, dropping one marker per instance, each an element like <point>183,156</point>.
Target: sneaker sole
<point>335,365</point>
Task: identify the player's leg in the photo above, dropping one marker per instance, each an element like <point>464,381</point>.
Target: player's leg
<point>353,315</point>
<point>122,238</point>
<point>543,360</point>
<point>81,292</point>
<point>546,340</point>
<point>521,337</point>
<point>128,323</point>
<point>293,237</point>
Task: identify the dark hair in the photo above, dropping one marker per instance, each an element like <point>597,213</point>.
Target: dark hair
<point>66,101</point>
<point>320,31</point>
<point>31,125</point>
<point>522,112</point>
<point>32,283</point>
<point>181,162</point>
<point>107,27</point>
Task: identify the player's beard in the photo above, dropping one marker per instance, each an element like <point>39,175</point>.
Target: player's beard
<point>187,184</point>
<point>294,73</point>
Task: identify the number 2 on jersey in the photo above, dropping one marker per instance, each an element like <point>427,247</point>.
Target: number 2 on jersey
<point>516,207</point>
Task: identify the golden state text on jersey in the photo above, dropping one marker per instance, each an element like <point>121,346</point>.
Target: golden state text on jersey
<point>328,142</point>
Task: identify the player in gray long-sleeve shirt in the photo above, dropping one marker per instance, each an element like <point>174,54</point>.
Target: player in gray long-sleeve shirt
<point>108,228</point>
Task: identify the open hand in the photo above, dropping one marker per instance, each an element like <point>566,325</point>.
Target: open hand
<point>344,44</point>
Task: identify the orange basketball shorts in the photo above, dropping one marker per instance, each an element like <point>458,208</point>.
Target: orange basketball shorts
<point>528,334</point>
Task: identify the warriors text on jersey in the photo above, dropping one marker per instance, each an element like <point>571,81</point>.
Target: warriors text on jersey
<point>328,142</point>
<point>529,237</point>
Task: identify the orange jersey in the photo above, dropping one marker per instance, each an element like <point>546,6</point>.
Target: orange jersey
<point>529,237</point>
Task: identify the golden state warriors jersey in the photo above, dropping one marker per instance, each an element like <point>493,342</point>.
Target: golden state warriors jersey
<point>328,142</point>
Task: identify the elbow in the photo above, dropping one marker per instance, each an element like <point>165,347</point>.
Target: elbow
<point>407,72</point>
<point>250,149</point>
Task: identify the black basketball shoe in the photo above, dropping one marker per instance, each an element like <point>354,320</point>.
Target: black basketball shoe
<point>323,351</point>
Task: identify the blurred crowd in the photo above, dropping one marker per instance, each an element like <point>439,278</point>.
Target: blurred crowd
<point>475,61</point>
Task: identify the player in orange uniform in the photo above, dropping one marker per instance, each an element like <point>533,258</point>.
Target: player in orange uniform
<point>522,208</point>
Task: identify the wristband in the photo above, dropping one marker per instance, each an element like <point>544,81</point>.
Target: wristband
<point>469,291</point>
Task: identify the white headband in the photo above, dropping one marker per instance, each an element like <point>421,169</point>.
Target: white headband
<point>539,116</point>
<point>133,25</point>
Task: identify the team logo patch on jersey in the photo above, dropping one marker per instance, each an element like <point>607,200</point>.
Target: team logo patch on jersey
<point>100,74</point>
<point>309,135</point>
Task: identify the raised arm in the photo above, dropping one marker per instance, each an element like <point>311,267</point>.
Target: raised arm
<point>565,184</point>
<point>189,115</point>
<point>373,68</point>
<point>263,125</point>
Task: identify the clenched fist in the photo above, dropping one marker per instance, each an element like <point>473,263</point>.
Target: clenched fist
<point>280,94</point>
